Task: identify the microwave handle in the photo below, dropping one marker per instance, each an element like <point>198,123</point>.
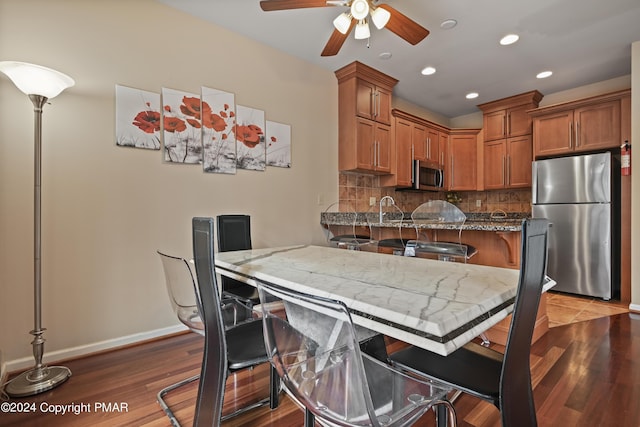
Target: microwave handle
<point>441,173</point>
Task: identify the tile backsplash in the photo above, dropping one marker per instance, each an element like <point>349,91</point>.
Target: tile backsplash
<point>355,190</point>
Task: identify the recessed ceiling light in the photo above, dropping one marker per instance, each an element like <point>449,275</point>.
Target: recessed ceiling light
<point>472,95</point>
<point>385,55</point>
<point>427,71</point>
<point>544,74</point>
<point>509,39</point>
<point>448,24</point>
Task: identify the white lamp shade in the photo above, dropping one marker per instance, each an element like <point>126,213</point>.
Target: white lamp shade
<point>360,9</point>
<point>362,30</point>
<point>380,17</point>
<point>342,22</point>
<point>35,79</point>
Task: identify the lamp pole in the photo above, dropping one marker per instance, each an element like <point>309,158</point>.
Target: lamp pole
<point>41,377</point>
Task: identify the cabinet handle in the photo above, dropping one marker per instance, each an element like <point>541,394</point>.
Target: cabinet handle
<point>508,182</point>
<point>504,127</point>
<point>428,154</point>
<point>577,134</point>
<point>570,135</point>
<point>372,98</point>
<point>377,104</point>
<point>504,167</point>
<point>378,150</point>
<point>509,124</point>
<point>452,176</point>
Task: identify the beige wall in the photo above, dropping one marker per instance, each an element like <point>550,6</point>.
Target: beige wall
<point>107,209</point>
<point>635,177</point>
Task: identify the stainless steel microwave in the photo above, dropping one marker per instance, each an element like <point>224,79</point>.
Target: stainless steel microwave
<point>427,176</point>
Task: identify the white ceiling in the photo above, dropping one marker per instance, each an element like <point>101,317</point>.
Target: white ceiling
<point>581,41</point>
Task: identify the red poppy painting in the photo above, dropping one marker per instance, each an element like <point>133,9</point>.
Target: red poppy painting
<point>250,138</point>
<point>218,138</point>
<point>138,118</point>
<point>278,145</point>
<point>182,114</point>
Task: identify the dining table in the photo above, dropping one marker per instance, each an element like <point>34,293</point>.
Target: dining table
<point>436,305</point>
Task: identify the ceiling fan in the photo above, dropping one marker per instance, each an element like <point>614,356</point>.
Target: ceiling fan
<point>382,15</point>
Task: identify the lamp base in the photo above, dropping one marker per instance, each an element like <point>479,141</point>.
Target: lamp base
<point>35,381</point>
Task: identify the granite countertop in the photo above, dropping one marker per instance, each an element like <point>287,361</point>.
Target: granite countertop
<point>475,221</point>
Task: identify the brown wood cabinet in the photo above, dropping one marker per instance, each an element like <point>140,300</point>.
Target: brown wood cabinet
<point>507,163</point>
<point>507,148</point>
<point>462,158</point>
<point>508,117</point>
<point>414,138</point>
<point>373,102</point>
<point>364,119</point>
<point>579,126</point>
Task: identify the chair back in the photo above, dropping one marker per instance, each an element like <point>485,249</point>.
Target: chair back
<point>314,348</point>
<point>359,233</point>
<point>234,232</point>
<point>182,290</point>
<point>214,362</point>
<point>441,212</point>
<point>516,395</point>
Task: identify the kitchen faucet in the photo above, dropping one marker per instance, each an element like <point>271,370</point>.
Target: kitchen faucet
<point>381,204</point>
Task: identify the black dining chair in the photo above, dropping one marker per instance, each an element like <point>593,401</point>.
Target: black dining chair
<point>502,379</point>
<point>226,350</point>
<point>234,234</point>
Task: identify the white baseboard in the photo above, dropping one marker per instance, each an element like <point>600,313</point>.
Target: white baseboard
<point>84,350</point>
<point>634,307</point>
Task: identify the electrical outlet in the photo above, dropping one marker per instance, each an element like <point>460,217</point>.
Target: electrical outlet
<point>478,203</point>
<point>372,201</point>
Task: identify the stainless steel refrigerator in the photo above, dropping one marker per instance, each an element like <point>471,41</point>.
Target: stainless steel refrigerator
<point>578,196</point>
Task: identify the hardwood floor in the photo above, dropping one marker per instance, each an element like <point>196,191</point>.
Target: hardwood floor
<point>585,373</point>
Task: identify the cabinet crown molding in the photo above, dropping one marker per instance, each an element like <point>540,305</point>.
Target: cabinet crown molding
<point>360,70</point>
<point>532,97</point>
<point>569,105</point>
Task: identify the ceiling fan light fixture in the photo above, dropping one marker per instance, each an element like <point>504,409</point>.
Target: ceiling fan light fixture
<point>380,17</point>
<point>342,22</point>
<point>360,9</point>
<point>362,30</point>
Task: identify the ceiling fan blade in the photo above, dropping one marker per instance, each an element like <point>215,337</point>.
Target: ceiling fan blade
<point>269,5</point>
<point>336,41</point>
<point>404,27</point>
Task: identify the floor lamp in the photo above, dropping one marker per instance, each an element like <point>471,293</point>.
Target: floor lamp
<point>39,84</point>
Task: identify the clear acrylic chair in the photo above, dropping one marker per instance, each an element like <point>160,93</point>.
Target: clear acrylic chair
<point>359,224</point>
<point>314,348</point>
<point>182,292</point>
<point>443,213</point>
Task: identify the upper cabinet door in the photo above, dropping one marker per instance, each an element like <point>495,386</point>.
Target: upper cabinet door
<point>553,133</point>
<point>597,126</point>
<point>373,102</point>
<point>518,121</point>
<point>365,99</point>
<point>419,142</point>
<point>495,125</point>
